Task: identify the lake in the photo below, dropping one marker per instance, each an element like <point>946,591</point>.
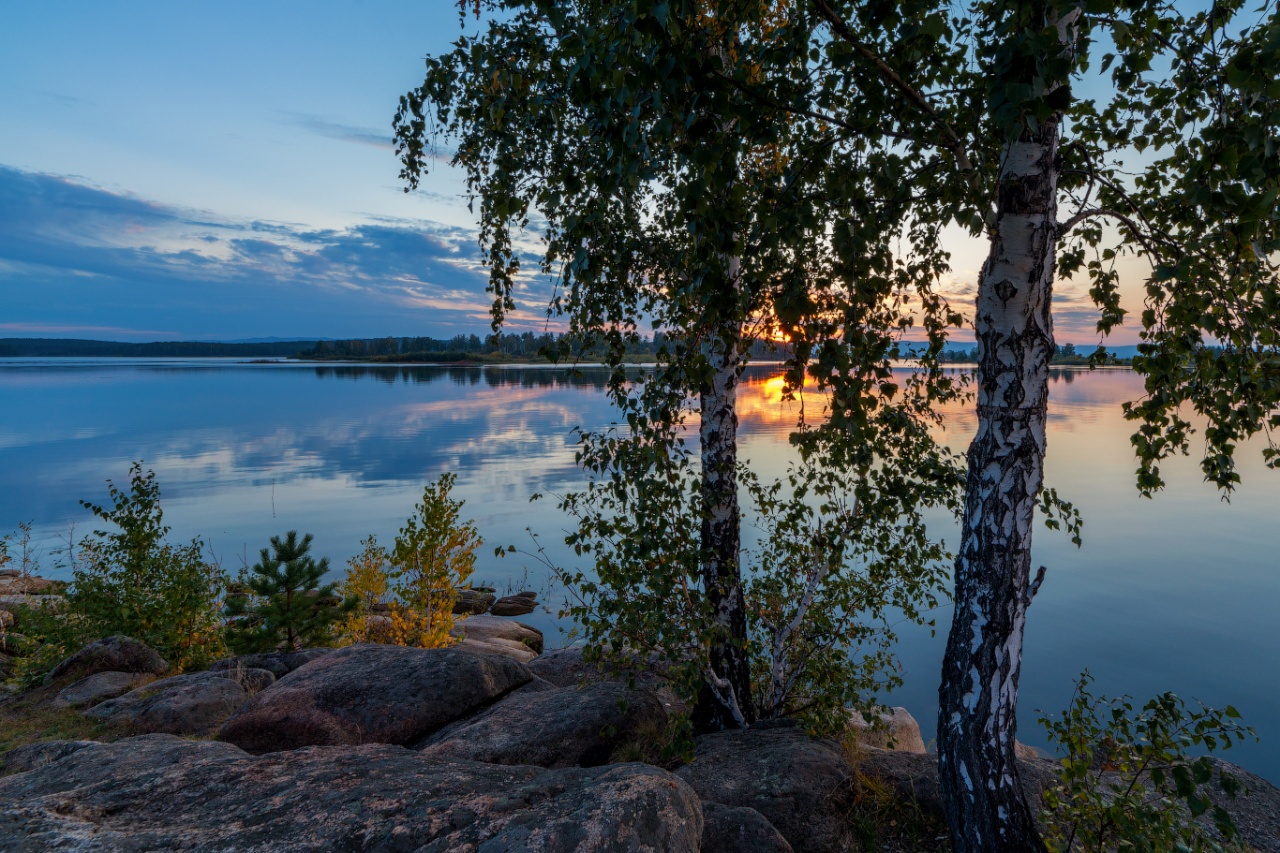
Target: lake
<point>1177,593</point>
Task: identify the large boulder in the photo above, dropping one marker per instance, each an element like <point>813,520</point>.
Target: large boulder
<point>487,628</point>
<point>567,668</point>
<point>29,756</point>
<point>1255,811</point>
<point>30,585</point>
<point>164,793</point>
<point>506,648</point>
<point>8,601</point>
<point>561,727</point>
<point>726,829</point>
<point>192,704</point>
<point>278,664</point>
<point>99,687</point>
<point>372,694</point>
<point>515,605</point>
<point>893,728</point>
<point>473,601</point>
<point>112,654</point>
<point>914,776</point>
<point>802,785</point>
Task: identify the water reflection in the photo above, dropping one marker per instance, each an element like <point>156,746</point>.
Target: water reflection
<point>1172,593</point>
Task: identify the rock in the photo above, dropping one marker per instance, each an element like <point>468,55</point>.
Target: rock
<point>489,628</point>
<point>112,654</point>
<point>739,830</point>
<point>6,665</point>
<point>192,704</point>
<point>30,585</point>
<point>898,730</point>
<point>506,648</point>
<point>1255,811</point>
<point>372,694</point>
<point>6,619</point>
<point>802,785</point>
<point>514,605</point>
<point>8,602</point>
<point>567,668</point>
<point>98,687</point>
<point>915,776</point>
<point>278,664</point>
<point>473,601</point>
<point>164,793</point>
<point>1024,752</point>
<point>33,755</point>
<point>562,727</point>
<point>10,573</point>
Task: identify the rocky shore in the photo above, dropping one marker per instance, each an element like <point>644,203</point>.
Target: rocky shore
<point>492,744</point>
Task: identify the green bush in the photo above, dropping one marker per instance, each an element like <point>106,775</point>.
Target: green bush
<point>1128,782</point>
<point>130,581</point>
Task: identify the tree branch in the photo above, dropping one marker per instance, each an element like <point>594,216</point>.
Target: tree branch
<point>1126,220</point>
<point>840,28</point>
<point>805,111</point>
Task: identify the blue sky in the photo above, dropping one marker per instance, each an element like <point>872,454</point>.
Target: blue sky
<point>224,170</point>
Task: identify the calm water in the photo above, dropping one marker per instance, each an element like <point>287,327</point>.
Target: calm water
<point>1178,593</point>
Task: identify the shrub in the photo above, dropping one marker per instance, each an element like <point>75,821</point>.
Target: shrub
<point>286,608</point>
<point>433,555</point>
<point>367,585</point>
<point>131,581</point>
<point>1127,778</point>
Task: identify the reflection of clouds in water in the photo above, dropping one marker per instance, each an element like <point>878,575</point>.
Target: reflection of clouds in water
<point>245,453</point>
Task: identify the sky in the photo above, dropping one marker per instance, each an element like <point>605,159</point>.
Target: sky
<point>224,171</point>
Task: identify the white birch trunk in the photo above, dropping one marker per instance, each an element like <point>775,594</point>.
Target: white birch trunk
<point>726,702</point>
<point>986,808</point>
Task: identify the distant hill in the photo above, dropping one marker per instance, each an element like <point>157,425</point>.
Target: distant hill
<point>71,348</point>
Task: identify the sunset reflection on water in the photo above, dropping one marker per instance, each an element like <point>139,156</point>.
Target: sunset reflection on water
<point>1176,593</point>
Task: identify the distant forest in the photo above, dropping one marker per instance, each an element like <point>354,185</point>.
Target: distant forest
<point>524,347</point>
<point>1064,354</point>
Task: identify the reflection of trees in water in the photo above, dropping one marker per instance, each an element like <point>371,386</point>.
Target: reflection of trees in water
<point>504,377</point>
<point>494,377</point>
<point>1060,375</point>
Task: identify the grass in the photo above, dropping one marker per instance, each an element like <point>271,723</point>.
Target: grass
<point>883,819</point>
<point>30,718</point>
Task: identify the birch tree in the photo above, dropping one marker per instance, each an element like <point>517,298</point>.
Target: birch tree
<point>668,194</point>
<point>1176,163</point>
<point>1067,133</point>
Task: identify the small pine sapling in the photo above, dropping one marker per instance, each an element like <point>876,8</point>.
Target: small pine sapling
<point>287,608</point>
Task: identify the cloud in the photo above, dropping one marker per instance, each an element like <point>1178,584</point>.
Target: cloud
<point>41,329</point>
<point>77,256</point>
<point>345,132</point>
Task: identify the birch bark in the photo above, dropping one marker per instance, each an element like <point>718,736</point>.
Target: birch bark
<point>986,809</point>
<point>725,702</point>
